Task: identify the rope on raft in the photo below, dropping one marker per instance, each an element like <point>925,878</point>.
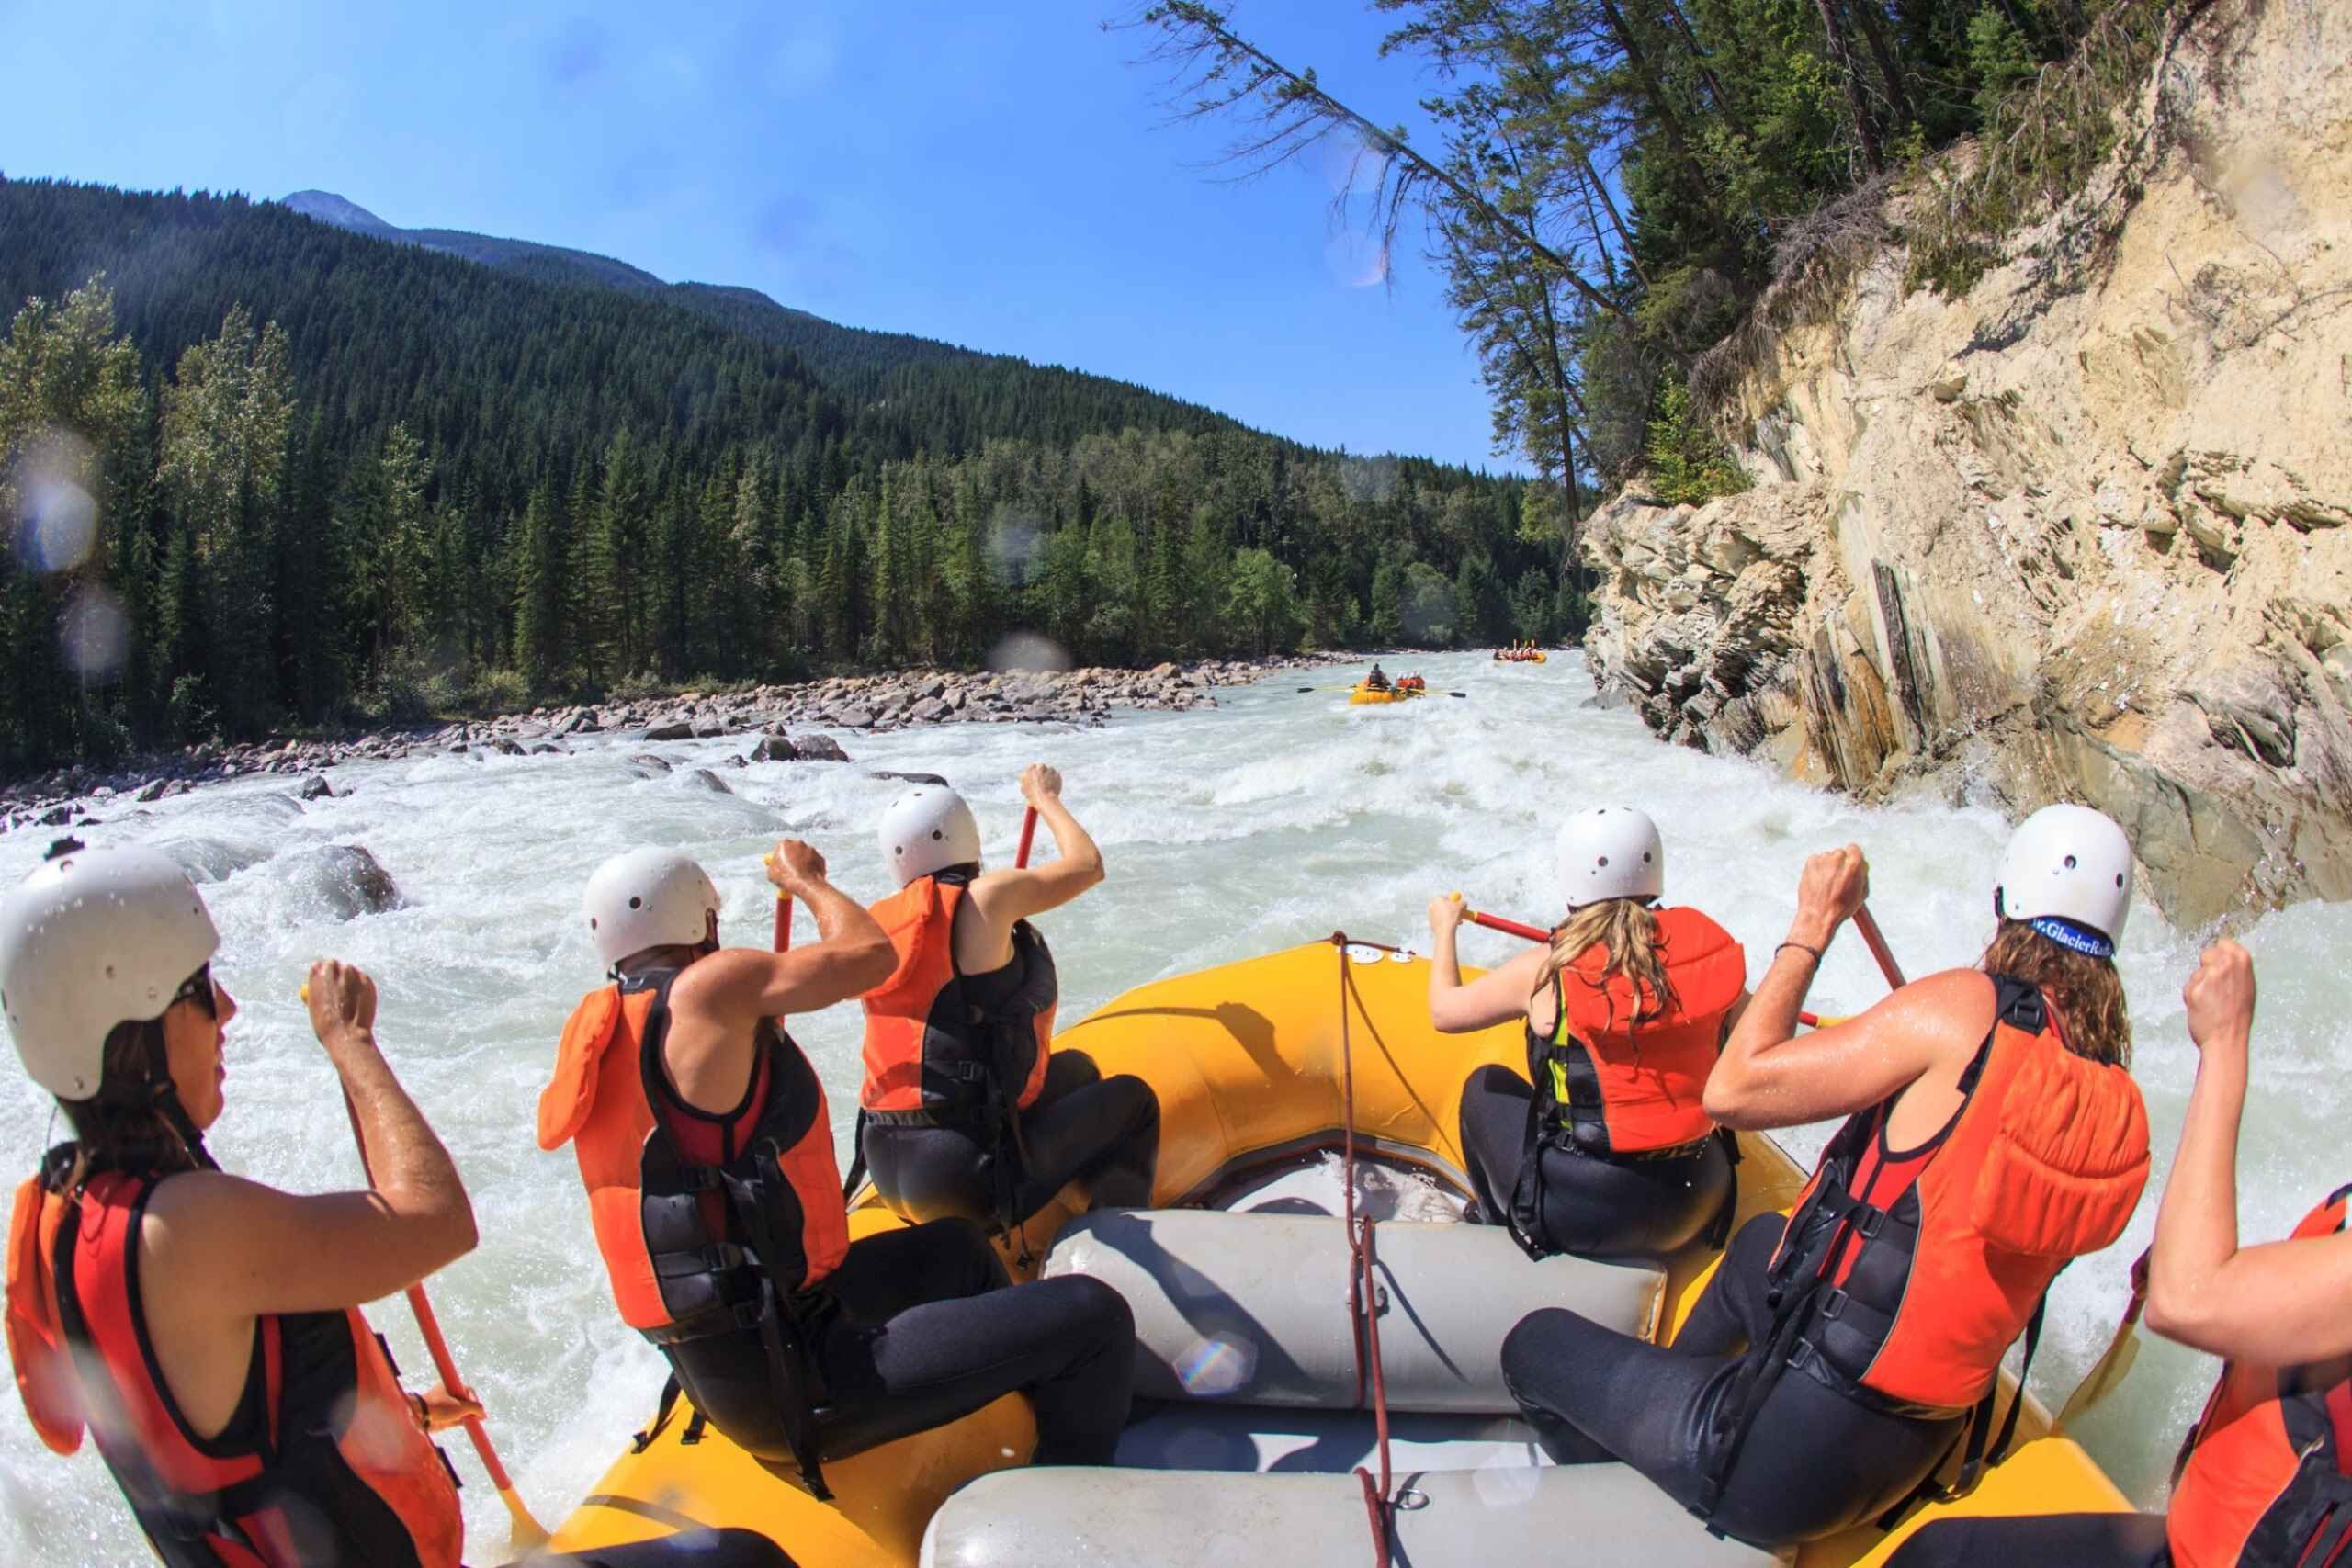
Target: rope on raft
<point>1363,1290</point>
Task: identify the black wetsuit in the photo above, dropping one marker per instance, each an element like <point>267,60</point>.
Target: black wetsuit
<point>2076,1540</point>
<point>1081,1124</point>
<point>918,1327</point>
<point>1815,1461</point>
<point>1594,1207</point>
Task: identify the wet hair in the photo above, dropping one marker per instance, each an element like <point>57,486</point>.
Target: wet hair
<point>124,1126</point>
<point>2086,991</point>
<point>1628,930</point>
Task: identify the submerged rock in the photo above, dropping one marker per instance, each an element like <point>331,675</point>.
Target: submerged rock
<point>351,881</point>
<point>818,748</point>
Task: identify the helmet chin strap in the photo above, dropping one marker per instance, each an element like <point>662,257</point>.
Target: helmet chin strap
<point>167,1101</point>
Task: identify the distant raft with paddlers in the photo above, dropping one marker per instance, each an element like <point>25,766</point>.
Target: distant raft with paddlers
<point>1285,1340</point>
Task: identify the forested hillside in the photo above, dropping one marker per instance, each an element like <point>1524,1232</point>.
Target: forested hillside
<point>1616,189</point>
<point>261,470</point>
<point>947,393</point>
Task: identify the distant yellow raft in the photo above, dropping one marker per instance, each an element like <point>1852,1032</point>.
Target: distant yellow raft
<point>1246,1060</point>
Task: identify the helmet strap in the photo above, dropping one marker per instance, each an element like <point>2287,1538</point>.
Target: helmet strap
<point>167,1101</point>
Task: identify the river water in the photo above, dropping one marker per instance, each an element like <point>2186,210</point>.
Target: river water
<point>1227,833</point>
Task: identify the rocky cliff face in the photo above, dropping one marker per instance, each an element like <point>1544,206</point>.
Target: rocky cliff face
<point>2085,534</point>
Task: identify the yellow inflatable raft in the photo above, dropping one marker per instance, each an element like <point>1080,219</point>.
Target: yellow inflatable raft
<point>1239,1279</point>
<point>1364,694</point>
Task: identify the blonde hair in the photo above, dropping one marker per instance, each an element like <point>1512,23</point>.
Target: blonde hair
<point>1628,930</point>
<point>2086,991</point>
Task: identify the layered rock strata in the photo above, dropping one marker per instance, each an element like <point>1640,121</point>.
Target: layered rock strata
<point>2084,533</point>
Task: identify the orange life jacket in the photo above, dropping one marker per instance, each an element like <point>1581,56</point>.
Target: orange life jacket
<point>1613,1085</point>
<point>1909,1304</point>
<point>716,1231</point>
<point>324,1461</point>
<point>2266,1476</point>
<point>932,1054</point>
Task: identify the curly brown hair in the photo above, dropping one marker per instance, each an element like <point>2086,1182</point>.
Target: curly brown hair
<point>2086,991</point>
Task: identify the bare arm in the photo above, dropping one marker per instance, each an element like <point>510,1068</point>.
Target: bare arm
<point>2278,1303</point>
<point>241,1249</point>
<point>1496,997</point>
<point>739,985</point>
<point>1015,894</point>
<point>1769,1076</point>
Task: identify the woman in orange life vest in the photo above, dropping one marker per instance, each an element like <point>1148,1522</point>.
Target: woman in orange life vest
<point>707,1147</point>
<point>2265,1476</point>
<point>1992,1134</point>
<point>1604,1148</point>
<point>966,1108</point>
<point>204,1328</point>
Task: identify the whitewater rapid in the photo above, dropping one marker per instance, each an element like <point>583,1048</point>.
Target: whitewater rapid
<point>1227,833</point>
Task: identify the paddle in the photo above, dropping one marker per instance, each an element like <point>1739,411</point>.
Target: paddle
<point>1811,1021</point>
<point>1028,836</point>
<point>2107,1373</point>
<point>526,1533</point>
<point>1304,690</point>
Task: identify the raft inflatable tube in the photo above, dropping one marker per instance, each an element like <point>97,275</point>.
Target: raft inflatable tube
<point>1238,1279</point>
<point>1365,694</point>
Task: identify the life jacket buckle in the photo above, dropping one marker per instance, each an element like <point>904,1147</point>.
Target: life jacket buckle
<point>1833,1301</point>
<point>1867,1220</point>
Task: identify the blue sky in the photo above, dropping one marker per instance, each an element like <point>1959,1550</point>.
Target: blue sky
<point>991,174</point>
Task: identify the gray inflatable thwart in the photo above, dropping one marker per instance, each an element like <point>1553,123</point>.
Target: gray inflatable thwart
<point>1601,1516</point>
<point>1252,1307</point>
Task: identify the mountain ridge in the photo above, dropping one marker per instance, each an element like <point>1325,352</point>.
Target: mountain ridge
<point>857,360</point>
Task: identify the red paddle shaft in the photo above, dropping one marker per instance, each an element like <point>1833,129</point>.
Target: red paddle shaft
<point>1028,836</point>
<point>1869,929</point>
<point>1867,923</point>
<point>436,1347</point>
<point>783,921</point>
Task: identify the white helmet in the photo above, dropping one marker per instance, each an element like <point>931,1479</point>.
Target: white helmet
<point>1610,851</point>
<point>648,898</point>
<point>94,938</point>
<point>2071,864</point>
<point>927,829</point>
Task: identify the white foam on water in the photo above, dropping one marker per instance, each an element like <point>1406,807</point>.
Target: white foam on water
<point>1272,820</point>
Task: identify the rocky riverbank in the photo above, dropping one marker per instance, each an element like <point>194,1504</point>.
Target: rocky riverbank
<point>765,716</point>
<point>2083,534</point>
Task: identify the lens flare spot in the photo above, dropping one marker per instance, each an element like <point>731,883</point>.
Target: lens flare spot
<point>1354,260</point>
<point>95,634</point>
<point>1218,1365</point>
<point>56,521</point>
<point>1028,651</point>
<point>1502,1482</point>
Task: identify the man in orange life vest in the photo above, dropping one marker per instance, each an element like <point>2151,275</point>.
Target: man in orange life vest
<point>1992,1134</point>
<point>204,1328</point>
<point>706,1145</point>
<point>2265,1479</point>
<point>1605,1148</point>
<point>966,1108</point>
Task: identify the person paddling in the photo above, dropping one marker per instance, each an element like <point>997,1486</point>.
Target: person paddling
<point>705,1142</point>
<point>1378,679</point>
<point>966,1108</point>
<point>206,1329</point>
<point>1604,1149</point>
<point>2265,1478</point>
<point>1993,1132</point>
